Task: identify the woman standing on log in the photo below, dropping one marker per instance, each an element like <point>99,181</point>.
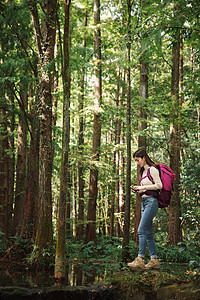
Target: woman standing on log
<point>149,206</point>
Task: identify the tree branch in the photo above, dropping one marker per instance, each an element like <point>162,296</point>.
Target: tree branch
<point>22,44</point>
<point>166,149</point>
<point>21,105</point>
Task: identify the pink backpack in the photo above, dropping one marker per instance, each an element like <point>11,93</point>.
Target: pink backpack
<point>167,177</point>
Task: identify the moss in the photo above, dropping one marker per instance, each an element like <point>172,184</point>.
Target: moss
<point>179,291</point>
<point>155,283</point>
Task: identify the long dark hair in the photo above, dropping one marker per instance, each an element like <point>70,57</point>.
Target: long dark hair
<point>142,153</point>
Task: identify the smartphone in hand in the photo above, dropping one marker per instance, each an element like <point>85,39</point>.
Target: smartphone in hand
<point>134,191</point>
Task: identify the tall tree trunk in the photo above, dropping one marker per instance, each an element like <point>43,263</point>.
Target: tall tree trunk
<point>32,182</point>
<point>91,215</point>
<point>112,205</point>
<point>60,268</point>
<point>45,40</point>
<point>81,181</point>
<point>113,191</point>
<point>32,185</point>
<point>74,200</point>
<point>114,162</point>
<point>121,164</point>
<point>11,167</point>
<point>174,230</point>
<point>142,125</point>
<point>54,88</point>
<point>21,168</point>
<point>69,187</point>
<point>7,165</point>
<point>4,176</point>
<point>125,251</point>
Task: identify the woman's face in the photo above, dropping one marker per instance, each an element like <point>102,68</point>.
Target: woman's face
<point>141,162</point>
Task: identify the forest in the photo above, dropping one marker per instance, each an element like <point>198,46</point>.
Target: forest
<point>84,85</point>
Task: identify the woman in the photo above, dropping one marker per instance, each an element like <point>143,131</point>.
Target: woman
<point>149,208</point>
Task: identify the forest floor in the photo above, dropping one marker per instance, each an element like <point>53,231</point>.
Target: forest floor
<point>172,281</point>
<point>100,265</point>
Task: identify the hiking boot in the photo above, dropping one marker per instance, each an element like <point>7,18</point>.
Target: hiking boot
<point>137,263</point>
<point>153,264</point>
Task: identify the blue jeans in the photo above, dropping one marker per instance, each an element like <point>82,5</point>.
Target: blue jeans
<point>145,229</point>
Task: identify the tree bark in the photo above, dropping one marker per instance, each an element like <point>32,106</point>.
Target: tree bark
<point>91,215</point>
<point>142,125</point>
<point>32,182</point>
<point>113,187</point>
<point>174,229</point>
<point>115,162</point>
<point>4,176</point>
<point>7,164</point>
<point>74,213</point>
<point>60,268</point>
<point>81,181</point>
<point>21,168</point>
<point>125,251</point>
<point>45,40</point>
<point>121,164</point>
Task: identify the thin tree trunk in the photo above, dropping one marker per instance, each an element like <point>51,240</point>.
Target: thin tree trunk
<point>198,122</point>
<point>60,265</point>
<point>7,165</point>
<point>32,182</point>
<point>21,169</point>
<point>113,188</point>
<point>68,204</point>
<point>4,176</point>
<point>81,181</point>
<point>125,251</point>
<point>174,229</point>
<point>55,96</point>
<point>31,208</point>
<point>114,162</point>
<point>91,215</point>
<point>121,166</point>
<point>11,167</point>
<point>142,125</point>
<point>74,199</point>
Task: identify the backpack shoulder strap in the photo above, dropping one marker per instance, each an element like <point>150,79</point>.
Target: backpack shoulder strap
<point>149,175</point>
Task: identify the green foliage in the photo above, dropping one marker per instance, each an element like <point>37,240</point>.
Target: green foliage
<point>2,242</point>
<point>110,249</point>
<point>15,249</point>
<point>183,253</point>
<point>106,248</point>
<point>154,25</point>
<point>41,259</point>
<point>23,245</point>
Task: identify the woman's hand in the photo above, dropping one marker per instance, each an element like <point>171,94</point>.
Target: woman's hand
<point>135,188</point>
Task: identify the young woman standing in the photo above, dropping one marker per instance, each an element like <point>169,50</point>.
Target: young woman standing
<point>149,207</point>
